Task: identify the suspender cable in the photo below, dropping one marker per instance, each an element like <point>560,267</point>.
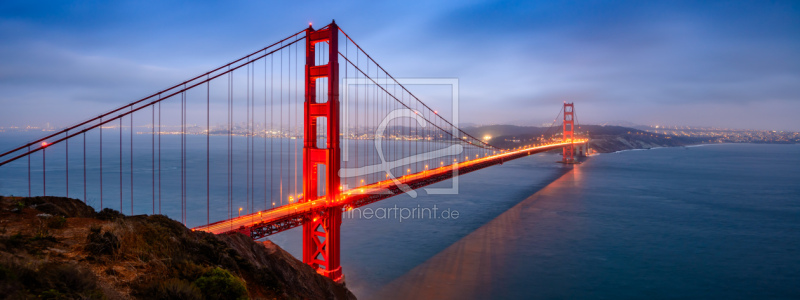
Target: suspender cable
<point>281,128</point>
<point>159,156</point>
<point>131,160</point>
<point>44,175</point>
<point>183,157</point>
<point>153,154</point>
<point>120,165</point>
<point>101,166</point>
<point>84,168</point>
<point>247,139</point>
<point>294,194</point>
<point>266,134</point>
<point>66,153</point>
<point>252,137</point>
<point>272,129</point>
<point>208,150</point>
<point>343,109</point>
<point>296,109</point>
<point>355,121</point>
<point>229,146</point>
<point>29,172</point>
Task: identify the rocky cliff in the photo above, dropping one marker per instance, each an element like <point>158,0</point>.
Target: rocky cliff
<point>59,248</point>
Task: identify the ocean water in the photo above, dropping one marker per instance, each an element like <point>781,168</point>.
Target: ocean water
<point>710,222</point>
<point>717,221</point>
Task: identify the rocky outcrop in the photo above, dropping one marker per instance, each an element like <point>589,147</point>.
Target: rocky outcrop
<point>54,247</point>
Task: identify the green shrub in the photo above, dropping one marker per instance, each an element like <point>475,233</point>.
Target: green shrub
<point>108,214</point>
<point>42,232</point>
<point>218,283</point>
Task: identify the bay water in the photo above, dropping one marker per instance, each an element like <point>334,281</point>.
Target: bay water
<point>717,221</point>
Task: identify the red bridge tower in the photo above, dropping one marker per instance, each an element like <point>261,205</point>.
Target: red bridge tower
<point>569,129</point>
<point>321,161</point>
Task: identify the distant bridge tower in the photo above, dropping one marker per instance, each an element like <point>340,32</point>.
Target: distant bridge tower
<point>321,162</point>
<point>569,130</point>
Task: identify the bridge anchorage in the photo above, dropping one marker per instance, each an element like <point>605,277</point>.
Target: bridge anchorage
<point>339,169</point>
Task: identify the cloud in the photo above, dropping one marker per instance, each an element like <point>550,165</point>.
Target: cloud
<point>649,57</point>
<point>46,82</point>
<point>515,59</point>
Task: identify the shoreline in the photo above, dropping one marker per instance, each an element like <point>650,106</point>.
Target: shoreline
<point>692,146</point>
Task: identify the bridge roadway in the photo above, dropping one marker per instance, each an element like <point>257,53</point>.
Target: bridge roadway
<point>270,221</point>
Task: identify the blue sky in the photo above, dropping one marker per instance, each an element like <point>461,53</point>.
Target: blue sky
<point>701,63</point>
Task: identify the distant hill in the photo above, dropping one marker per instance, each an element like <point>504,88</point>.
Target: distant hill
<point>604,139</point>
<point>503,130</point>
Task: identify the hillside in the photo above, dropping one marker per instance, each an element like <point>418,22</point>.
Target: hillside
<point>59,248</point>
<point>604,139</point>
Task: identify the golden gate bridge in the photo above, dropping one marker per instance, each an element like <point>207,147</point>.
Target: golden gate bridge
<point>322,155</point>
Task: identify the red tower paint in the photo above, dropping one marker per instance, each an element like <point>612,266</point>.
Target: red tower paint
<point>321,162</point>
<point>569,129</point>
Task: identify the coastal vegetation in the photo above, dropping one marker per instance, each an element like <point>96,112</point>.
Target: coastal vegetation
<point>59,248</point>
